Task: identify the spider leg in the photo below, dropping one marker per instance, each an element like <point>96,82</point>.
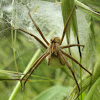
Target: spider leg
<point>38,29</point>
<point>70,69</point>
<point>69,56</point>
<point>71,45</point>
<point>38,63</point>
<point>23,87</point>
<point>35,65</point>
<point>34,37</point>
<point>67,24</point>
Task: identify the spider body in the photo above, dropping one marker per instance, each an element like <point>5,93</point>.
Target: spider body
<point>54,59</point>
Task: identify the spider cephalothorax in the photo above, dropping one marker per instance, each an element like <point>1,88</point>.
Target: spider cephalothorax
<point>53,51</point>
<point>54,45</point>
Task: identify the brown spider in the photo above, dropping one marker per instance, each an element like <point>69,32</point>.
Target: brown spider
<point>54,50</point>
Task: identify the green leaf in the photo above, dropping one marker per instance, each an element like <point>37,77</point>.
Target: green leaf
<point>94,93</point>
<point>54,93</point>
<point>67,6</point>
<point>86,81</point>
<point>95,4</point>
<point>88,9</point>
<point>96,72</point>
<point>9,75</point>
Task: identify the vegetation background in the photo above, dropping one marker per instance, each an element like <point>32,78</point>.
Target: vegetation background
<point>18,51</point>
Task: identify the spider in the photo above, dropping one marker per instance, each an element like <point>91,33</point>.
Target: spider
<point>53,50</point>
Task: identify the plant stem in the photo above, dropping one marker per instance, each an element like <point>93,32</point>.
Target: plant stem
<point>17,87</point>
<point>85,7</point>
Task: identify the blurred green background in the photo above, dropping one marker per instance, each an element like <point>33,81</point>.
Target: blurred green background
<point>17,48</point>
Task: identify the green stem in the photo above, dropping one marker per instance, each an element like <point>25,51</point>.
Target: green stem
<point>14,35</point>
<point>17,87</point>
<point>81,78</point>
<point>85,7</point>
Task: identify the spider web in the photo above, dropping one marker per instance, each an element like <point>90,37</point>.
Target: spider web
<point>18,45</point>
<point>49,19</point>
<point>13,15</point>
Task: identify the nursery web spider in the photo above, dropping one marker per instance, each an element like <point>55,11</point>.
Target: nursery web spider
<point>53,50</point>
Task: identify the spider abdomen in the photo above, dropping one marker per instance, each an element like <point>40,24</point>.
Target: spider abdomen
<point>55,61</point>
